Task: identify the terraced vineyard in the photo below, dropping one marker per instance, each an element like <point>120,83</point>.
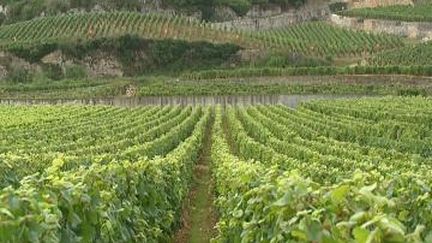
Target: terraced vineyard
<point>417,13</point>
<point>329,171</point>
<point>318,39</point>
<point>89,26</point>
<point>322,39</point>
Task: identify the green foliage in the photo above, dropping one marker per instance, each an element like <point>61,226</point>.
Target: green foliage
<point>289,60</point>
<point>52,71</point>
<point>137,55</point>
<point>313,71</point>
<point>75,72</point>
<point>19,75</point>
<point>33,54</point>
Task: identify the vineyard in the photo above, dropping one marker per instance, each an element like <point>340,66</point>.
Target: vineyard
<point>416,13</point>
<point>322,39</point>
<point>88,26</point>
<point>96,174</point>
<point>317,38</point>
<point>420,54</point>
<point>329,171</point>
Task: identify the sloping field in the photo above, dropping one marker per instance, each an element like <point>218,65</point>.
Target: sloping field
<point>317,38</point>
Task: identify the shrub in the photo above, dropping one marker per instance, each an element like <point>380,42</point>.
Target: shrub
<point>53,71</point>
<point>20,75</point>
<point>75,72</point>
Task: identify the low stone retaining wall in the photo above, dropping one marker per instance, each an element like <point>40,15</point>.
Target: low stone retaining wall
<point>277,21</point>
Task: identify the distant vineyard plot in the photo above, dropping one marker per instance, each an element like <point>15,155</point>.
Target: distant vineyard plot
<point>319,38</point>
<point>420,54</point>
<point>416,13</point>
<point>316,38</point>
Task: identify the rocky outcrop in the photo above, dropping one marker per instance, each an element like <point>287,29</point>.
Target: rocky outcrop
<point>97,65</point>
<point>415,30</point>
<point>103,65</point>
<point>262,11</point>
<point>55,58</point>
<point>131,90</point>
<point>3,72</point>
<point>9,61</point>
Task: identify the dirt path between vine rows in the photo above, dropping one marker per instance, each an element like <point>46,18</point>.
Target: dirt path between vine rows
<point>199,214</point>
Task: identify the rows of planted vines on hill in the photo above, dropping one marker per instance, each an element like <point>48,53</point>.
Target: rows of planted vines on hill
<point>332,171</point>
<point>416,13</point>
<point>87,26</point>
<point>96,174</point>
<point>318,38</point>
<point>420,54</point>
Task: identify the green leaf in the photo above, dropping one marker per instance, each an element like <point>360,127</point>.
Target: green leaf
<point>358,216</point>
<point>360,235</point>
<point>7,213</point>
<point>238,213</point>
<point>393,225</point>
<point>368,189</point>
<point>285,200</point>
<point>297,234</point>
<point>339,194</point>
<point>403,216</point>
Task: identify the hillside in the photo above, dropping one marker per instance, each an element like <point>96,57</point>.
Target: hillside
<point>309,39</point>
<point>129,44</point>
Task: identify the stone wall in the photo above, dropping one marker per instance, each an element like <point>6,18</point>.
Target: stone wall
<point>277,21</point>
<point>415,30</point>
